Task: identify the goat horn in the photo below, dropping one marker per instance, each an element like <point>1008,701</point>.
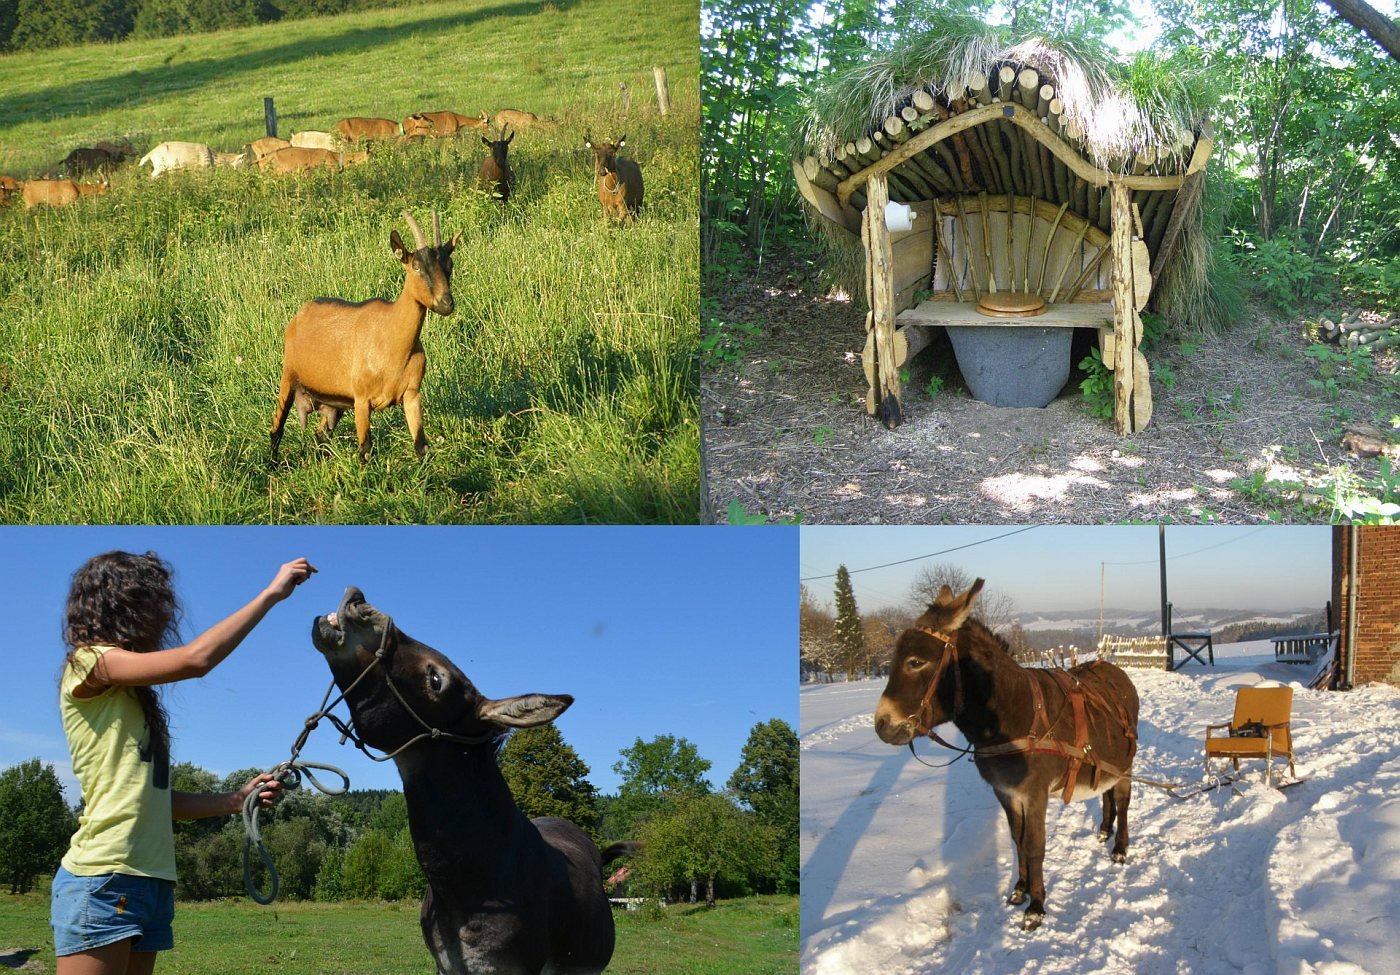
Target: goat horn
<point>419,241</point>
<point>437,231</point>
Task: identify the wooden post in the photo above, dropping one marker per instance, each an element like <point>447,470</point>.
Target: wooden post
<point>270,116</point>
<point>880,258</point>
<point>663,94</point>
<point>1132,391</point>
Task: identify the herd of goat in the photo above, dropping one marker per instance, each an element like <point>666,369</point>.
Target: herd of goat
<point>352,355</point>
<point>619,180</point>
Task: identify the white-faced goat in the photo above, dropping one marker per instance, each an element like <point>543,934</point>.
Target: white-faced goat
<point>367,355</point>
<point>619,180</point>
<point>495,175</point>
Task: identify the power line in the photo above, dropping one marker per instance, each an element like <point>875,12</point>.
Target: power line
<point>1172,558</point>
<point>917,558</point>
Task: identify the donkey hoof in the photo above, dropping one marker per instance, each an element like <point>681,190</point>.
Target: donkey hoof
<point>1104,834</point>
<point>1120,856</point>
<point>1018,897</point>
<point>1032,921</point>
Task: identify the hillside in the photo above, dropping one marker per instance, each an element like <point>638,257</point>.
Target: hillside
<point>140,357</point>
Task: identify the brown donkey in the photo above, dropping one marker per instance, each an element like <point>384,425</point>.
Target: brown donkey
<point>1033,733</point>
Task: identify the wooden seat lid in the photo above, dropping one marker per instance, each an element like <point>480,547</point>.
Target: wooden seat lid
<point>1011,304</point>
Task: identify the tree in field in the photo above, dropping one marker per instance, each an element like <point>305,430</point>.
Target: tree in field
<point>35,824</point>
<point>702,839</point>
<point>547,777</point>
<point>655,773</point>
<point>994,608</point>
<point>848,633</point>
<point>768,782</point>
<point>817,648</point>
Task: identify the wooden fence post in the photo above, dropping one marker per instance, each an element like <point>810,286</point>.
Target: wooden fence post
<point>270,116</point>
<point>663,94</point>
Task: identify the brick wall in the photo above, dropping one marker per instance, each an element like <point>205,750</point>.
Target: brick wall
<point>1377,651</point>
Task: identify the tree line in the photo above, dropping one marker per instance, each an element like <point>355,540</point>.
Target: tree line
<point>29,25</point>
<point>838,641</point>
<point>699,841</point>
<point>1304,185</point>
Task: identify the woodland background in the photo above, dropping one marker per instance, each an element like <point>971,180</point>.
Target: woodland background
<point>702,842</point>
<point>1305,115</point>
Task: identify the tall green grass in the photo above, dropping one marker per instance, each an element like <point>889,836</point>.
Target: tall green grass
<point>140,332</point>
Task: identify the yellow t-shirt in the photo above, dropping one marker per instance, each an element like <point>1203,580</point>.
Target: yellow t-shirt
<point>125,826</point>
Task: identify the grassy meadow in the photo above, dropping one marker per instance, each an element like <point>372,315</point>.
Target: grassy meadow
<point>752,936</point>
<point>141,331</point>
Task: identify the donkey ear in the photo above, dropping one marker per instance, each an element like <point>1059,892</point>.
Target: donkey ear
<point>526,711</point>
<point>962,606</point>
<point>944,597</point>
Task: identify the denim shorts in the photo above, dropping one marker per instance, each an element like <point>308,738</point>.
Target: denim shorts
<point>92,912</point>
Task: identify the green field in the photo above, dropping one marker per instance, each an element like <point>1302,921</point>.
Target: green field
<point>753,936</point>
<point>141,332</point>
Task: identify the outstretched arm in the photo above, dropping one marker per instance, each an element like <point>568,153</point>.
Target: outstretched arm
<point>204,805</point>
<point>202,654</point>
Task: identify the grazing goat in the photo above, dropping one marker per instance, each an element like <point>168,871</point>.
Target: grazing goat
<point>178,155</point>
<point>295,159</point>
<point>520,120</point>
<point>87,160</point>
<point>619,180</point>
<point>367,355</point>
<point>9,189</point>
<point>58,192</point>
<point>439,124</point>
<point>232,160</point>
<point>314,140</point>
<point>495,175</point>
<point>266,146</point>
<point>366,129</point>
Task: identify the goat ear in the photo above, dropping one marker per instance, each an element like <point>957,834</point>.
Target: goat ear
<point>622,142</point>
<point>526,711</point>
<point>396,245</point>
<point>485,141</point>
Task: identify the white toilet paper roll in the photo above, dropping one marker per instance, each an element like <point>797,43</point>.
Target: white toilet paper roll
<point>898,216</point>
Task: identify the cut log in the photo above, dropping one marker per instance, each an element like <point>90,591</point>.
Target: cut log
<point>909,341</point>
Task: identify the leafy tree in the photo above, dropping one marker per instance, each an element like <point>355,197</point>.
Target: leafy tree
<point>547,777</point>
<point>35,823</point>
<point>702,838</point>
<point>768,782</point>
<point>9,14</point>
<point>380,865</point>
<point>653,774</point>
<point>847,631</point>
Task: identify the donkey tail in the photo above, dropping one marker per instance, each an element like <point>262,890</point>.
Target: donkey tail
<point>624,849</point>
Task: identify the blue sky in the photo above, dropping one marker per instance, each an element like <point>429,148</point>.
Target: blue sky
<point>687,631</point>
<point>1058,566</point>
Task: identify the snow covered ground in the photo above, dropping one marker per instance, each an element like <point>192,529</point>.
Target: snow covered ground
<point>905,869</point>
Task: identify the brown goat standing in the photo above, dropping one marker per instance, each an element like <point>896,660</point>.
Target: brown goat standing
<point>619,180</point>
<point>367,355</point>
<point>495,175</point>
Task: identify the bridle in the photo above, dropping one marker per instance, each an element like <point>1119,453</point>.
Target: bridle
<point>291,772</point>
<point>923,717</point>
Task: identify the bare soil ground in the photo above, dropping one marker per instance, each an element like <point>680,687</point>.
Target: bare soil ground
<point>1246,427</point>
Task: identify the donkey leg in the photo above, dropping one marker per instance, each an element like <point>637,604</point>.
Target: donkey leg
<point>1121,792</point>
<point>1035,859</point>
<point>1015,818</point>
<point>1110,813</point>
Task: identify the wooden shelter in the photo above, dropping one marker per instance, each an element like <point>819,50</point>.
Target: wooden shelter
<point>1043,194</point>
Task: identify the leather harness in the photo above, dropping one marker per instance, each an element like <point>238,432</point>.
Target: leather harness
<point>1040,738</point>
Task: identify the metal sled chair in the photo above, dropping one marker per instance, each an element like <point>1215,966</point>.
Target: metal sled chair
<point>1259,729</point>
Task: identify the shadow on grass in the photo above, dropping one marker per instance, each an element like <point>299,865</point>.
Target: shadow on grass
<point>131,89</point>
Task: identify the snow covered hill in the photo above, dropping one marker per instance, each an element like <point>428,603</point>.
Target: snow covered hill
<point>905,869</point>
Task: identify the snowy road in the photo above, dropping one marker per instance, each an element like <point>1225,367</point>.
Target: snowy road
<point>905,869</point>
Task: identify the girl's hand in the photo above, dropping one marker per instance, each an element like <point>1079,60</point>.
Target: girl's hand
<point>267,785</point>
<point>291,575</point>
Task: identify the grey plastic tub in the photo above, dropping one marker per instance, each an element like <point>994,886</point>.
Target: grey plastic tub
<point>1013,365</point>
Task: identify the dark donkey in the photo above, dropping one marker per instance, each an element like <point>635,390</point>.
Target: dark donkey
<point>1034,733</point>
<point>506,894</point>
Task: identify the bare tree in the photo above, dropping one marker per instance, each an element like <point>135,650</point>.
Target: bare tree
<point>994,608</point>
<point>817,644</point>
<point>1371,22</point>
